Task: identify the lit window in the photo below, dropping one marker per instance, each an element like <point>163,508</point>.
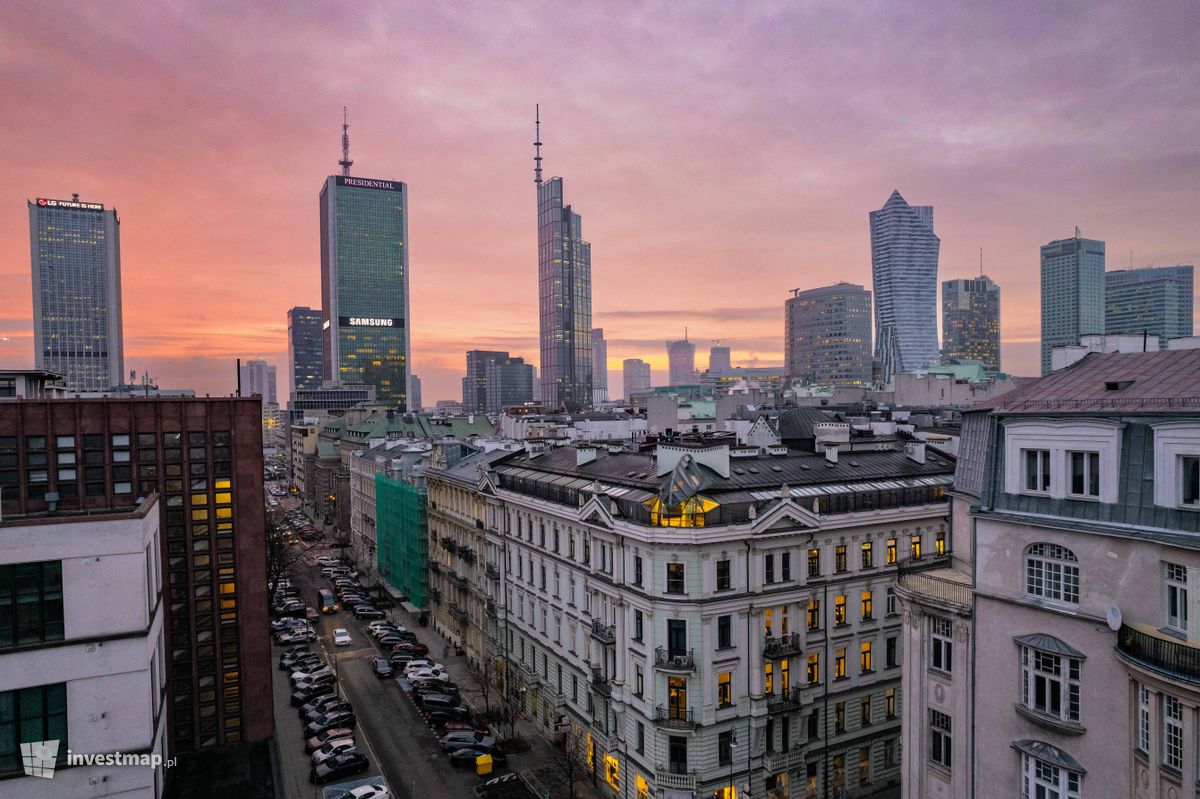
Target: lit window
<point>889,703</point>
<point>814,563</point>
<point>814,668</point>
<point>839,663</point>
<point>769,678</point>
<point>890,556</point>
<point>1085,474</point>
<point>914,547</point>
<point>867,606</point>
<point>864,658</point>
<point>939,543</point>
<point>612,772</point>
<point>867,555</point>
<point>725,689</point>
<point>839,610</point>
<point>1052,572</point>
<point>1050,684</point>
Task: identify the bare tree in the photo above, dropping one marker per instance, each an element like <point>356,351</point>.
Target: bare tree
<point>280,554</point>
<point>485,678</point>
<point>570,758</point>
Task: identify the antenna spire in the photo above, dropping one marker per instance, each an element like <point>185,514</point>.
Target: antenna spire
<point>345,162</point>
<point>981,262</point>
<point>537,144</point>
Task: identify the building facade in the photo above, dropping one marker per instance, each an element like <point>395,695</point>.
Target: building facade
<point>564,301</point>
<point>1155,301</point>
<point>904,264</point>
<point>1072,293</point>
<point>475,385</point>
<point>719,359</point>
<point>971,321</point>
<point>203,458</point>
<point>681,363</point>
<point>828,335</point>
<point>711,619</point>
<point>364,284</point>
<point>83,648</point>
<point>305,356</point>
<point>599,366</point>
<point>258,379</point>
<point>509,382</point>
<point>76,252</point>
<point>414,393</point>
<point>635,376</point>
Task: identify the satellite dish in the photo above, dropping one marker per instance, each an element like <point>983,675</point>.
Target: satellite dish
<point>1114,618</point>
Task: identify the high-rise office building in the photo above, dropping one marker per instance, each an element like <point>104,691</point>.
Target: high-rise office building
<point>76,252</point>
<point>719,359</point>
<point>474,384</point>
<point>414,393</point>
<point>203,459</point>
<point>1072,292</point>
<point>681,362</point>
<point>364,281</point>
<point>258,378</point>
<point>304,348</point>
<point>599,366</point>
<point>971,320</point>
<point>904,264</point>
<point>564,297</point>
<point>509,382</point>
<point>828,335</point>
<point>635,375</point>
<point>1155,300</point>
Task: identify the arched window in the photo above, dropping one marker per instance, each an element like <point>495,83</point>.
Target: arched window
<point>1052,572</point>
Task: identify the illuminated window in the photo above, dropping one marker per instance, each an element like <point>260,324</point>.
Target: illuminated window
<point>228,604</point>
<point>868,557</point>
<point>199,499</point>
<point>814,614</point>
<point>914,547</point>
<point>784,680</point>
<point>612,771</point>
<point>864,658</point>
<point>890,556</point>
<point>939,544</point>
<point>839,558</point>
<point>839,663</point>
<point>222,482</point>
<point>814,668</point>
<point>199,514</point>
<point>228,588</point>
<point>725,689</point>
<point>769,678</point>
<point>641,787</point>
<point>839,610</point>
<point>224,513</point>
<point>231,676</point>
<point>224,497</point>
<point>814,562</point>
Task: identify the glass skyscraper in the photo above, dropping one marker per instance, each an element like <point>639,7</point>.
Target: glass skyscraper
<point>364,284</point>
<point>828,335</point>
<point>635,374</point>
<point>681,362</point>
<point>305,348</point>
<point>76,253</point>
<point>1155,300</point>
<point>1072,293</point>
<point>971,320</point>
<point>564,301</point>
<point>904,264</point>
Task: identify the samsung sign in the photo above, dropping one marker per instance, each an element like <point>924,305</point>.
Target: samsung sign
<point>368,321</point>
<point>367,183</point>
<point>69,204</point>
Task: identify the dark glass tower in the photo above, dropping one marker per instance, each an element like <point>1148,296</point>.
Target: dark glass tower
<point>305,348</point>
<point>364,284</point>
<point>76,252</point>
<point>971,320</point>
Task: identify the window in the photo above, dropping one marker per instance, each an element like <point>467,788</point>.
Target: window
<point>1143,729</point>
<point>724,689</point>
<point>638,625</point>
<point>31,603</point>
<point>785,566</point>
<point>814,562</point>
<point>769,568</point>
<point>889,753</point>
<point>889,703</point>
<point>1189,480</point>
<point>769,677</point>
<point>839,610</point>
<point>31,714</point>
<point>639,681</point>
<point>724,582</point>
<point>839,717</point>
<point>939,738</point>
<point>1052,572</point>
<point>1050,684</point>
<point>1172,710</point>
<point>814,614</point>
<point>641,739</point>
<point>890,600</point>
<point>1041,780</point>
<point>1085,474</point>
<point>941,644</point>
<point>637,565</point>
<point>890,652</point>
<point>867,612</point>
<point>914,547</point>
<point>839,558</point>
<point>868,557</point>
<point>814,668</point>
<point>865,663</point>
<point>675,578</point>
<point>1177,596</point>
<point>890,554</point>
<point>724,632</point>
<point>814,725</point>
<point>939,543</point>
<point>725,748</point>
<point>1037,470</point>
<point>839,663</point>
<point>864,765</point>
<point>864,711</point>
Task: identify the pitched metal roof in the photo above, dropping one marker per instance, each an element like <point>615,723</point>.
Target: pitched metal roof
<point>1044,642</point>
<point>1049,753</point>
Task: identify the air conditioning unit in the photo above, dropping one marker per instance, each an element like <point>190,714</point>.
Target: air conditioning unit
<point>680,661</point>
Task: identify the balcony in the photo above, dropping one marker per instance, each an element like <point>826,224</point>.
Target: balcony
<point>458,612</point>
<point>490,607</point>
<point>784,701</point>
<point>449,545</point>
<point>670,660</point>
<point>435,567</point>
<point>467,555</point>
<point>463,580</point>
<point>778,762</point>
<point>604,633</point>
<point>934,580</point>
<point>531,674</point>
<point>479,524</point>
<point>492,570</point>
<point>1175,659</point>
<point>785,646</point>
<point>435,594</point>
<point>601,684</point>
<point>675,776</point>
<point>675,718</point>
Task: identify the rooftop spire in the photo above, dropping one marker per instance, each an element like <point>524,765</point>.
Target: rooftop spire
<point>537,144</point>
<point>345,162</point>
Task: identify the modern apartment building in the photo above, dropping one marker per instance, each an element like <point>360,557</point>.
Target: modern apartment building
<point>971,321</point>
<point>76,252</point>
<point>827,335</point>
<point>83,647</point>
<point>1073,658</point>
<point>1153,301</point>
<point>635,376</point>
<point>202,458</point>
<point>904,264</point>
<point>712,619</point>
<point>1072,293</point>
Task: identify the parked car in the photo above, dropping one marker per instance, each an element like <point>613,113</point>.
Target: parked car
<point>310,672</point>
<point>409,646</point>
<point>338,766</point>
<point>331,734</point>
<point>462,726</point>
<point>296,636</point>
<point>457,740</point>
<point>322,704</point>
<point>326,560</point>
<point>302,696</point>
<point>310,614</point>
<point>442,716</point>
<point>312,686</point>
<point>423,663</point>
<point>368,612</point>
<point>400,660</point>
<point>329,720</point>
<point>466,756</point>
<point>337,707</point>
<point>341,637</point>
<point>364,792</point>
<point>384,669</point>
<point>332,748</point>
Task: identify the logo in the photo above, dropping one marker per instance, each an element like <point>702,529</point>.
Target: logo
<point>368,321</point>
<point>69,204</point>
<point>39,758</point>
<point>365,183</point>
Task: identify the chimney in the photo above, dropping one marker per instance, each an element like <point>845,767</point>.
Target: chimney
<point>584,455</point>
<point>915,451</point>
<point>831,454</point>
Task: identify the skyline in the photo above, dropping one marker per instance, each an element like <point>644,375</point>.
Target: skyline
<point>213,167</point>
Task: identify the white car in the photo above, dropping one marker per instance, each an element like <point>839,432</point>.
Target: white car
<point>328,561</point>
<point>364,792</point>
<point>332,748</point>
<point>341,637</point>
<point>423,663</point>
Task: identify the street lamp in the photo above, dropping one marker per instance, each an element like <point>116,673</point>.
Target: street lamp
<point>732,745</point>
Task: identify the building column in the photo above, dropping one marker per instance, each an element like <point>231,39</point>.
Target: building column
<point>754,659</point>
<point>621,650</point>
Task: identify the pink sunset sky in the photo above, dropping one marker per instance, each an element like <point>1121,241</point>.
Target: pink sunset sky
<point>721,154</point>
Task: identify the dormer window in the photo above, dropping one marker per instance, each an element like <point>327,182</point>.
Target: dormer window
<point>1085,474</point>
<point>1037,470</point>
<point>1189,481</point>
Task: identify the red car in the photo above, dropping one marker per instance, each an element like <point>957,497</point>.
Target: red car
<point>414,649</point>
<point>462,726</point>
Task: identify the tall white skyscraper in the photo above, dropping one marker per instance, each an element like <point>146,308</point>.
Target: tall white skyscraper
<point>76,253</point>
<point>904,264</point>
<point>599,366</point>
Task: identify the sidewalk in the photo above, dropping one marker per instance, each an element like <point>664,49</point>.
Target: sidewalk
<point>542,751</point>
